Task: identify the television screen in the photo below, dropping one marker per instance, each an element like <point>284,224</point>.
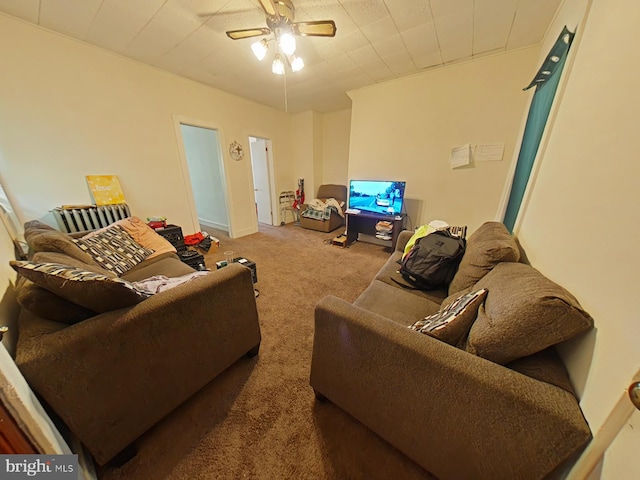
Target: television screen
<point>374,196</point>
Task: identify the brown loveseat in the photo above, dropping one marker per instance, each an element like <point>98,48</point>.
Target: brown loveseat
<point>111,375</point>
<point>497,405</point>
<point>339,192</point>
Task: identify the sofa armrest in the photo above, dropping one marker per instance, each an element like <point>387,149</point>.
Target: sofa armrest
<point>455,414</point>
<point>112,377</point>
<point>403,238</point>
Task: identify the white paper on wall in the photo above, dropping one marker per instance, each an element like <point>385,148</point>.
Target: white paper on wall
<point>460,156</point>
<point>488,152</point>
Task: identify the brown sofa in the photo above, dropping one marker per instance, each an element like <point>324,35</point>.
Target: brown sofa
<point>111,376</point>
<point>339,192</point>
<point>497,405</point>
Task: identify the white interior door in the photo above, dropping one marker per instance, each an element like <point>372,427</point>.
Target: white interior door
<point>261,179</point>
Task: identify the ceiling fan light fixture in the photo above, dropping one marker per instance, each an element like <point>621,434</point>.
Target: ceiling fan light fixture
<point>287,43</point>
<point>260,48</point>
<point>297,63</point>
<point>278,65</point>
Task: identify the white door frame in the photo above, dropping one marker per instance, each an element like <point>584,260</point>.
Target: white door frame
<point>275,212</point>
<point>186,178</point>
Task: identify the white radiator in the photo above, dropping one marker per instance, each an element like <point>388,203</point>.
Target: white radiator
<point>88,218</point>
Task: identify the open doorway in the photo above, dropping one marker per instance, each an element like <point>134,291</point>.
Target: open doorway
<point>206,171</point>
<point>261,165</point>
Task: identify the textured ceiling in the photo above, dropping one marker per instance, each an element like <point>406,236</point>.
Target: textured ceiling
<point>376,40</point>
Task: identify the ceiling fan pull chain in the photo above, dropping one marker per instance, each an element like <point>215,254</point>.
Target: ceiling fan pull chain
<point>286,103</point>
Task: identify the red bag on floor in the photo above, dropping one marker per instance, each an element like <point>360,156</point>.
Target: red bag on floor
<point>194,239</point>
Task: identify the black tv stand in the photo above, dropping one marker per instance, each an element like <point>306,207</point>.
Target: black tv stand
<point>365,222</point>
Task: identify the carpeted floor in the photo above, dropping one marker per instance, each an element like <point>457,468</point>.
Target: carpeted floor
<point>260,419</point>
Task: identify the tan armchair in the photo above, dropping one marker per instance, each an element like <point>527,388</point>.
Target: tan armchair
<point>339,192</point>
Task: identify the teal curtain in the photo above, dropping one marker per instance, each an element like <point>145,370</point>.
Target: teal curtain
<point>546,83</point>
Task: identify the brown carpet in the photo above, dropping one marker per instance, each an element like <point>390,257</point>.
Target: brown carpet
<point>260,419</point>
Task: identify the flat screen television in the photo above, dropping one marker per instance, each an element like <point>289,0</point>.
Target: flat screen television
<point>377,196</point>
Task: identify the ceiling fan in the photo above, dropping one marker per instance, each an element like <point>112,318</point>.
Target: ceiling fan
<point>280,15</point>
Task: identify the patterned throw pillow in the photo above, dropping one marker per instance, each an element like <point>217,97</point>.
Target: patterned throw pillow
<point>452,323</point>
<point>91,290</point>
<point>114,249</point>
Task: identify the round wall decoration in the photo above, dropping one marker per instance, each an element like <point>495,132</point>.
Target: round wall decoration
<point>236,151</point>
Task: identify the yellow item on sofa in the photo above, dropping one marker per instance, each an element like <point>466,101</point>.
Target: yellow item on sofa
<point>423,231</point>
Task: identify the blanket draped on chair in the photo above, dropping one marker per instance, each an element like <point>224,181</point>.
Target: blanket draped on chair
<point>321,210</point>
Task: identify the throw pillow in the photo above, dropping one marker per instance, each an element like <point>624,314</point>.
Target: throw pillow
<point>486,247</point>
<point>49,305</point>
<point>453,321</point>
<point>114,249</point>
<point>147,237</point>
<point>37,225</point>
<point>91,290</point>
<point>62,259</point>
<point>524,313</point>
<point>43,238</point>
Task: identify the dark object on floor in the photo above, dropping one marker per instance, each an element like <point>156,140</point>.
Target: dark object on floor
<point>340,241</point>
<point>242,261</point>
<point>193,259</point>
<point>205,244</point>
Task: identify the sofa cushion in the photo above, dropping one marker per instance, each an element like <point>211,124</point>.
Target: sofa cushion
<point>486,247</point>
<point>91,290</point>
<point>545,366</point>
<point>339,192</point>
<point>167,264</point>
<point>114,249</point>
<point>524,313</point>
<point>43,238</point>
<point>395,303</point>
<point>454,319</point>
<point>48,305</point>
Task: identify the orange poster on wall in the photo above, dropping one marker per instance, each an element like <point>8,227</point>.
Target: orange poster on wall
<point>105,189</point>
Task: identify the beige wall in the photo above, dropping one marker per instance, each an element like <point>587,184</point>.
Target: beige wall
<point>586,182</point>
<point>318,160</point>
<point>70,109</point>
<point>405,130</point>
<point>336,130</point>
<point>302,136</point>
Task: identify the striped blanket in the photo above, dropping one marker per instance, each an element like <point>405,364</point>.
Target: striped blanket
<point>319,214</point>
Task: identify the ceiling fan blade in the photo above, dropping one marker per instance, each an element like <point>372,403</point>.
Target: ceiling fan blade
<point>247,33</point>
<point>320,28</point>
<point>268,7</point>
<point>220,13</point>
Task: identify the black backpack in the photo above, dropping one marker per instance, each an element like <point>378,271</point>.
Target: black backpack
<point>432,261</point>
